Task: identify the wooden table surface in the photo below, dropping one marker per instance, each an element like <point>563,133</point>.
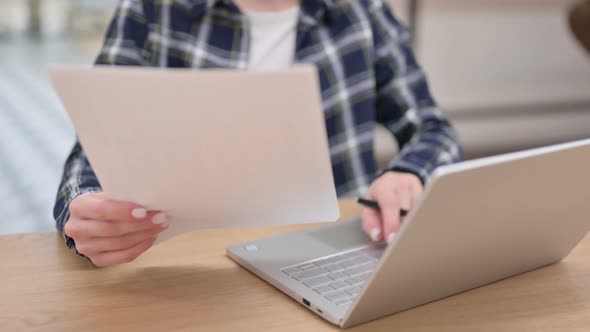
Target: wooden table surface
<point>188,284</point>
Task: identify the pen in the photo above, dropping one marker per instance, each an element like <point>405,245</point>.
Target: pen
<point>375,205</point>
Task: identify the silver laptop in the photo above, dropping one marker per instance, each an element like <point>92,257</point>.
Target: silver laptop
<point>478,222</point>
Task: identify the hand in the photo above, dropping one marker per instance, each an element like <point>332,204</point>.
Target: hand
<point>111,232</point>
<point>393,191</point>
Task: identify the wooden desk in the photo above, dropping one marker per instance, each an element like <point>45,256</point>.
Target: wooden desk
<point>188,284</point>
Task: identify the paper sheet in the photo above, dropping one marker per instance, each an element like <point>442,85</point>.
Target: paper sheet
<point>214,149</point>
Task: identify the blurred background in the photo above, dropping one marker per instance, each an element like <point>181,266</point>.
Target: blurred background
<point>509,73</point>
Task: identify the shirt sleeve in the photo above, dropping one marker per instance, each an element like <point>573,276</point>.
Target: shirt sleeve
<point>124,45</point>
<point>405,105</point>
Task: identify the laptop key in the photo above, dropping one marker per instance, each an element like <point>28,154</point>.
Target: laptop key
<point>323,289</point>
<point>358,260</point>
<point>353,271</point>
<point>375,253</point>
<point>292,270</point>
<point>309,274</point>
<point>323,262</point>
<point>334,267</point>
<point>351,254</point>
<point>336,295</point>
<point>334,259</point>
<point>365,276</point>
<point>344,301</point>
<point>348,263</point>
<point>307,266</point>
<point>353,290</point>
<point>355,280</point>
<point>337,276</point>
<point>358,253</point>
<point>338,259</point>
<point>313,282</point>
<point>339,285</point>
<point>373,262</point>
<point>367,268</point>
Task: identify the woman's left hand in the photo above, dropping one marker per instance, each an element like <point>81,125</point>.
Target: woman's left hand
<point>393,191</point>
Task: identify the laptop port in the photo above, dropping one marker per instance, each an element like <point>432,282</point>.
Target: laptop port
<point>306,302</point>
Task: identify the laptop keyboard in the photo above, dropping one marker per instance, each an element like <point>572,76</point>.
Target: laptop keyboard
<point>339,278</point>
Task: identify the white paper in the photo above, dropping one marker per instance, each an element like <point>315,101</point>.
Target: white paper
<point>214,149</point>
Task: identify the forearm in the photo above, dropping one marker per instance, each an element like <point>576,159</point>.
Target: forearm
<point>434,144</point>
<point>405,105</point>
<point>407,109</point>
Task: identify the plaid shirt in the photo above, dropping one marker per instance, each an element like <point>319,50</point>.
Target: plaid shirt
<point>367,71</point>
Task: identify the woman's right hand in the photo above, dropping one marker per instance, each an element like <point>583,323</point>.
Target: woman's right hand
<point>111,232</point>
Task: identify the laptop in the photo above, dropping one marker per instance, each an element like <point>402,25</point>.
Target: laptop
<point>478,222</point>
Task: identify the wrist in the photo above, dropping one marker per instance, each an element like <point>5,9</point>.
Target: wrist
<point>403,171</point>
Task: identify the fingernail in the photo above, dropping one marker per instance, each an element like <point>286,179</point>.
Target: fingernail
<point>165,224</point>
<point>139,213</point>
<point>375,232</point>
<point>390,237</point>
<point>160,219</point>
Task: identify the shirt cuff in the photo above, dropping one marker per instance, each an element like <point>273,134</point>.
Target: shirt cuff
<point>423,172</point>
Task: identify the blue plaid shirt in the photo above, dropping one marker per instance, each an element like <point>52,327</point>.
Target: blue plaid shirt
<point>367,71</point>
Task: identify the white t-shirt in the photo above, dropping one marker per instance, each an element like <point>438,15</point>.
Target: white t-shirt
<point>272,38</point>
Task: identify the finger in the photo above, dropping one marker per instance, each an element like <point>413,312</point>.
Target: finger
<point>406,199</point>
<point>372,224</point>
<point>100,207</point>
<point>122,256</point>
<point>86,229</point>
<point>417,192</point>
<point>89,247</point>
<point>390,212</point>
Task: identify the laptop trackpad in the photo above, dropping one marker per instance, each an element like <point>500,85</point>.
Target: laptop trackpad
<point>342,235</point>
